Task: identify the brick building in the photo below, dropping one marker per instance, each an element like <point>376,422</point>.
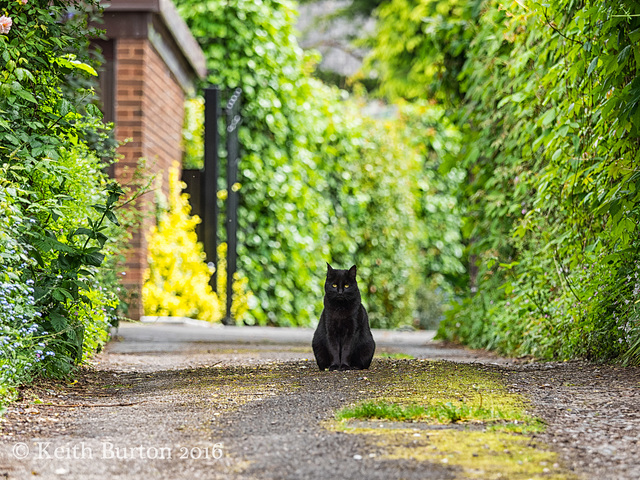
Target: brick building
<point>151,64</point>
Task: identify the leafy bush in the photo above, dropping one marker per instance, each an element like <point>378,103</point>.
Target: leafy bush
<point>56,204</point>
<point>423,58</point>
<point>547,97</point>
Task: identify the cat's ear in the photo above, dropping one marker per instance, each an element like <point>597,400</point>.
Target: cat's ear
<point>352,272</point>
<point>330,269</point>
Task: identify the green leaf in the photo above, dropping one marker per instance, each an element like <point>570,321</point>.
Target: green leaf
<point>69,61</point>
<point>38,258</point>
<point>548,117</point>
<point>81,285</point>
<point>93,110</point>
<point>592,65</point>
<point>615,207</point>
<point>58,322</point>
<point>79,341</point>
<point>61,294</point>
<point>112,217</point>
<point>46,244</point>
<point>26,95</point>
<point>624,54</point>
<point>65,107</point>
<point>509,266</point>
<point>83,231</point>
<point>94,258</point>
<point>102,238</point>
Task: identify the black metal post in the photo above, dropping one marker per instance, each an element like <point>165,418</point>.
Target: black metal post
<point>209,185</point>
<point>233,123</point>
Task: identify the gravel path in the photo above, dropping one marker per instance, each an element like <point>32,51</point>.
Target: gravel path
<point>593,413</point>
<point>181,401</point>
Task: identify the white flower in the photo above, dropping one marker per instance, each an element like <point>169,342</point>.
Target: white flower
<point>5,24</point>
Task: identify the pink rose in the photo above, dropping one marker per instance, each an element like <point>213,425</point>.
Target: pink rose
<point>24,2</point>
<point>5,24</point>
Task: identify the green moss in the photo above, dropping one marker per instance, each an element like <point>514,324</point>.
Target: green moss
<point>424,382</point>
<point>532,426</point>
<point>438,391</point>
<point>480,454</point>
<point>488,425</point>
<point>398,356</point>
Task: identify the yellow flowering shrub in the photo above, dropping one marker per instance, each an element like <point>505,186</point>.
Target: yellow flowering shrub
<point>177,281</point>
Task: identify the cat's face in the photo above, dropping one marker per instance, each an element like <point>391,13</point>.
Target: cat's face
<point>341,285</point>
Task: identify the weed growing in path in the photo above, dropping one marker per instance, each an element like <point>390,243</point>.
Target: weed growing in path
<point>442,412</point>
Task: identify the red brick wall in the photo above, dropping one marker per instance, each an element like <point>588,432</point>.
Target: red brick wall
<point>149,113</point>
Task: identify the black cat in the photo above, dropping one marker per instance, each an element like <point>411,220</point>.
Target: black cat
<point>343,339</point>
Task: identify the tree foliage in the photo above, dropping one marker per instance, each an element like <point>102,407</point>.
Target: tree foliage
<point>547,97</point>
<point>424,57</point>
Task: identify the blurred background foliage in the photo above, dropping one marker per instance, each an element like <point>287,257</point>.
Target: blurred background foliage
<point>324,180</point>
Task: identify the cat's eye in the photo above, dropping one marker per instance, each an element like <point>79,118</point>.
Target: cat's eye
<point>346,286</point>
<point>334,285</point>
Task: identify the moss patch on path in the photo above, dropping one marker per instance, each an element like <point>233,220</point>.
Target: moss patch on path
<point>461,415</point>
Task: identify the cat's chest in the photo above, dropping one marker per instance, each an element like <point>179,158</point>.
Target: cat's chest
<point>341,322</point>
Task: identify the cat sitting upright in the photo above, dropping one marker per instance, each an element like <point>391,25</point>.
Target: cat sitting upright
<point>343,339</point>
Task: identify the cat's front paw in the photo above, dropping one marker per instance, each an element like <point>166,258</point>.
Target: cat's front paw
<point>334,367</point>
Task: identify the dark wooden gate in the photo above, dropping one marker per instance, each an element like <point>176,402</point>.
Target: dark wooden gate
<point>202,185</point>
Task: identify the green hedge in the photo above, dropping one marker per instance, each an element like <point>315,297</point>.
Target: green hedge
<point>547,97</point>
<point>55,201</point>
